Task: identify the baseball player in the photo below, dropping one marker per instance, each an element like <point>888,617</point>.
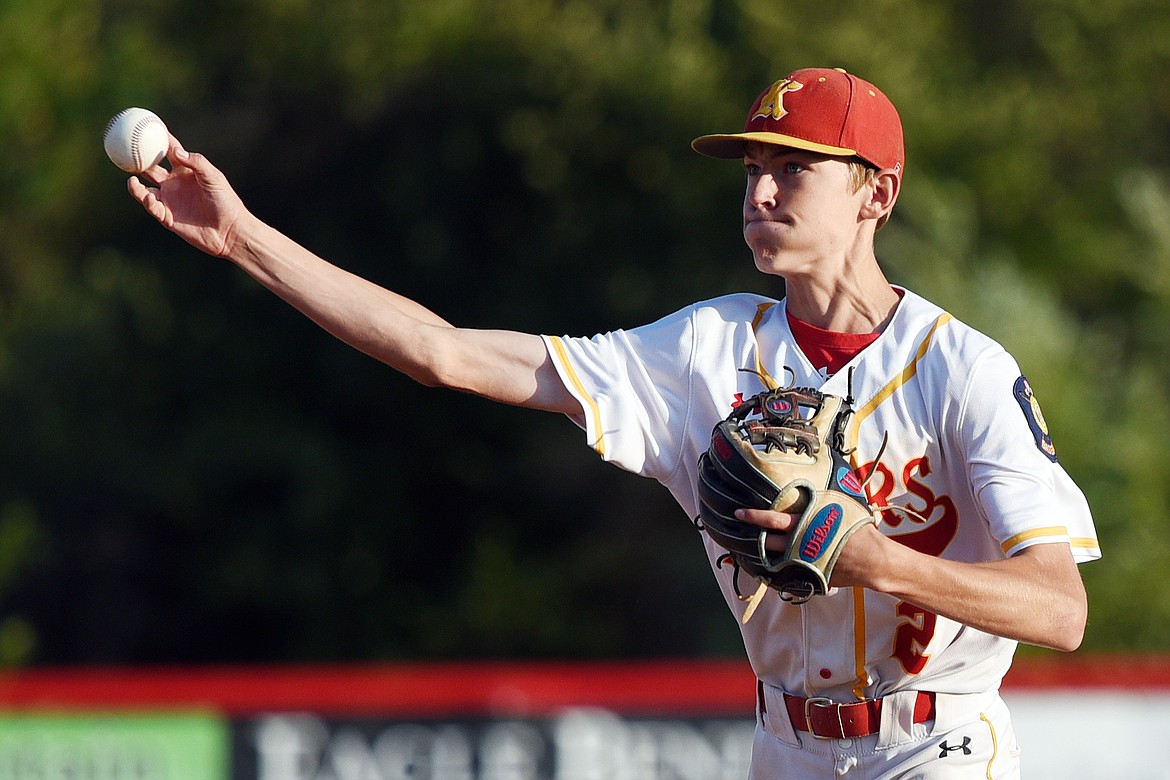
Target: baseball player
<point>895,671</point>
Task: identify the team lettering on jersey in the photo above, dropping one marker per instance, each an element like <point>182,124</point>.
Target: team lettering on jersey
<point>934,522</point>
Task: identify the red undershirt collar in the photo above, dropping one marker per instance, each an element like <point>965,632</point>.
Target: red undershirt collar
<point>828,350</point>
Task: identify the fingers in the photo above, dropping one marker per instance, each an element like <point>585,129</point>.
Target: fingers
<point>176,153</point>
<point>766,518</point>
<point>777,523</point>
<point>177,156</point>
<point>181,159</point>
<point>184,162</point>
<point>137,189</point>
<point>156,175</point>
<point>148,197</point>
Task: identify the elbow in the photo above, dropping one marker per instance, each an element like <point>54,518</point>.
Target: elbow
<point>1073,634</point>
<point>1069,638</point>
<point>430,362</point>
<point>433,377</point>
<point>427,378</point>
<point>1071,615</point>
<point>1056,602</point>
<point>443,369</point>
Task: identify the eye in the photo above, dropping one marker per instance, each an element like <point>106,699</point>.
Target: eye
<point>752,169</point>
<point>793,168</point>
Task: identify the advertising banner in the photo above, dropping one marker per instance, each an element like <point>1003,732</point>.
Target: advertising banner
<point>576,744</point>
<point>94,746</point>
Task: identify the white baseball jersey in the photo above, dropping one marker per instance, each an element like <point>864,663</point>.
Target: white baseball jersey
<point>968,458</point>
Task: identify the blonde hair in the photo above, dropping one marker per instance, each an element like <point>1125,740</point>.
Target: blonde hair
<point>860,174</point>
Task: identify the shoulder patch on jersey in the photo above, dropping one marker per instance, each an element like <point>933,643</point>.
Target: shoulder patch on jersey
<point>1031,409</point>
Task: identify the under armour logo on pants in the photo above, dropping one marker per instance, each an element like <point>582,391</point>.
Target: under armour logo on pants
<point>965,747</point>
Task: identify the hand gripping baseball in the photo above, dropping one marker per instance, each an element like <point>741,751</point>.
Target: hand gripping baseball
<point>783,450</point>
<point>193,199</point>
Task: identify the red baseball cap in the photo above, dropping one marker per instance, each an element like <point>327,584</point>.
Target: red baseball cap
<point>822,110</point>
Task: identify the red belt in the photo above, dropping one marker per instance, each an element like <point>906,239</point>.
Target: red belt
<point>828,720</point>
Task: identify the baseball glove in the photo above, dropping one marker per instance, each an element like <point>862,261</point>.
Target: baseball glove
<point>783,449</point>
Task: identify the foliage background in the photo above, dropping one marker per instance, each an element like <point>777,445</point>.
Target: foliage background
<point>192,473</point>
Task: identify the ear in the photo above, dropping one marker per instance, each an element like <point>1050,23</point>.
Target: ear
<point>883,194</point>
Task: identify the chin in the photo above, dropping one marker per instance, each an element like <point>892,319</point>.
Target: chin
<point>776,260</point>
<point>770,263</point>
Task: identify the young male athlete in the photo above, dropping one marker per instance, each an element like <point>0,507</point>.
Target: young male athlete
<point>895,672</point>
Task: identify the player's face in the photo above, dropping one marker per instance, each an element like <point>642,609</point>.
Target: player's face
<point>800,209</point>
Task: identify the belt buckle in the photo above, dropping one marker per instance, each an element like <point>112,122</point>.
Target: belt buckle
<point>822,701</point>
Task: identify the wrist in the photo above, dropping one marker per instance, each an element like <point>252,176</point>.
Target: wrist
<point>868,560</point>
<point>244,239</point>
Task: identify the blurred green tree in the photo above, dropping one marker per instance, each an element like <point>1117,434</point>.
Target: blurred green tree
<point>193,473</point>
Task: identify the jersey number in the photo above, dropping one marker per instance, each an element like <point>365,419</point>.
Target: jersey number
<point>912,637</point>
<point>935,522</point>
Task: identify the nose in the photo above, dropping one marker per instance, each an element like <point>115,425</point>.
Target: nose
<point>762,191</point>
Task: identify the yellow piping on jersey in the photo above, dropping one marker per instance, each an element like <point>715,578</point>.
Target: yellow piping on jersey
<point>594,411</point>
<point>901,379</point>
<point>859,640</point>
<point>1077,542</point>
<point>859,621</point>
<point>768,380</point>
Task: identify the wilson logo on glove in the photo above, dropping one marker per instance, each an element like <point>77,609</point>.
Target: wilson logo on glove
<point>779,406</point>
<point>847,479</point>
<point>820,532</point>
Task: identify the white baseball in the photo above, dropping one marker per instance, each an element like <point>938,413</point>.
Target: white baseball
<point>136,139</point>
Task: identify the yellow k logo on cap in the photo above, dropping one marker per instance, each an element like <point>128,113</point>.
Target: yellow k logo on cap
<point>772,102</point>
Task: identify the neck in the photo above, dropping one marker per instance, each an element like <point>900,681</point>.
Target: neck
<point>848,303</point>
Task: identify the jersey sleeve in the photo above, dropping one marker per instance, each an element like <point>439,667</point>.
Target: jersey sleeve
<point>1025,494</point>
<point>634,388</point>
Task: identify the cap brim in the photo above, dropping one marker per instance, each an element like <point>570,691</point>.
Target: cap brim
<point>731,146</point>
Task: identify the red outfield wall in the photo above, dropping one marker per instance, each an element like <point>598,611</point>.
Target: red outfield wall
<point>680,687</point>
